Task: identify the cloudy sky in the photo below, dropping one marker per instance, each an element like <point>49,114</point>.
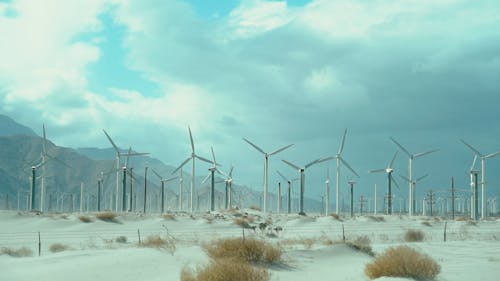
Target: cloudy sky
<point>276,72</point>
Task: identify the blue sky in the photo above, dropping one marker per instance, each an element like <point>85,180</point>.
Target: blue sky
<point>426,73</point>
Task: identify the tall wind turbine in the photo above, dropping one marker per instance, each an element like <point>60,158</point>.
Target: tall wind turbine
<point>303,178</point>
<point>118,157</point>
<point>414,182</point>
<point>192,157</point>
<point>390,179</point>
<point>483,177</point>
<point>411,197</point>
<point>229,181</point>
<point>266,166</point>
<point>290,181</point>
<point>211,172</point>
<point>339,158</point>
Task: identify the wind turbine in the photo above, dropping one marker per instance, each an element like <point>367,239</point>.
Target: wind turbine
<point>390,180</point>
<point>411,197</point>
<point>483,177</point>
<point>228,181</point>
<point>163,181</point>
<point>339,158</point>
<point>118,156</point>
<point>266,166</point>
<point>192,157</point>
<point>290,181</point>
<point>303,178</point>
<point>211,172</point>
<point>413,184</point>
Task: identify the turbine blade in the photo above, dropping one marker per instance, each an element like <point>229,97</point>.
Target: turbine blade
<point>395,182</point>
<point>171,179</point>
<point>282,176</point>
<point>44,143</point>
<point>291,165</point>
<point>400,146</point>
<point>473,162</point>
<point>377,171</point>
<point>134,154</point>
<point>392,161</point>
<point>472,148</point>
<point>156,173</point>
<point>58,160</point>
<point>348,166</point>
<point>205,159</point>
<point>313,162</point>
<point>425,153</point>
<point>191,139</point>
<point>181,165</point>
<point>213,154</point>
<point>112,142</point>
<point>421,178</point>
<point>492,155</point>
<point>255,146</point>
<point>206,178</point>
<point>341,147</point>
<point>221,173</point>
<point>405,178</point>
<point>280,150</point>
<point>231,172</point>
<point>128,156</point>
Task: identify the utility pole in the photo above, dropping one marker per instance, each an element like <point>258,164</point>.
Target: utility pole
<point>452,198</point>
<point>351,183</point>
<point>362,201</point>
<point>124,189</point>
<point>146,186</point>
<point>131,198</point>
<point>430,200</point>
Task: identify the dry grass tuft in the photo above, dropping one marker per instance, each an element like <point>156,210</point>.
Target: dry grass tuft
<point>169,217</point>
<point>362,244</point>
<point>426,223</point>
<point>255,208</point>
<point>155,241</point>
<point>121,239</point>
<point>21,252</point>
<point>225,270</point>
<point>85,219</point>
<point>413,235</point>
<point>377,218</point>
<point>335,216</point>
<point>107,217</point>
<point>247,250</point>
<point>405,262</point>
<point>58,247</point>
<point>243,222</point>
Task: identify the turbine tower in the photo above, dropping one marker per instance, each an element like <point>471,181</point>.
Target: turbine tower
<point>211,172</point>
<point>413,184</point>
<point>163,181</point>
<point>483,176</point>
<point>266,166</point>
<point>303,178</point>
<point>192,157</point>
<point>411,197</point>
<point>340,160</point>
<point>118,157</point>
<point>390,179</point>
<point>289,191</point>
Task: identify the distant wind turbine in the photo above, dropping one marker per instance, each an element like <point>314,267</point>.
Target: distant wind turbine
<point>303,178</point>
<point>211,172</point>
<point>163,181</point>
<point>390,179</point>
<point>411,157</point>
<point>118,157</point>
<point>339,158</point>
<point>483,158</point>
<point>266,166</point>
<point>192,157</point>
<point>290,181</point>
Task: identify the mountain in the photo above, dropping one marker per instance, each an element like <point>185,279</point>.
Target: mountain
<point>9,127</point>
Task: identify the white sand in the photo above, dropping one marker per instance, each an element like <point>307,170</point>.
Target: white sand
<point>472,252</point>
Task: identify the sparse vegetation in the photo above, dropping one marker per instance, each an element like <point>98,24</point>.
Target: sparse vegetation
<point>377,218</point>
<point>155,241</point>
<point>335,216</point>
<point>426,223</point>
<point>169,217</point>
<point>243,222</point>
<point>405,262</point>
<point>107,216</point>
<point>21,252</point>
<point>85,219</point>
<point>247,250</point>
<point>413,235</point>
<point>225,270</point>
<point>121,239</point>
<point>58,247</point>
<point>255,208</point>
<point>362,244</point>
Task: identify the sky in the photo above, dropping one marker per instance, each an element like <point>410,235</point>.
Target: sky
<point>426,73</point>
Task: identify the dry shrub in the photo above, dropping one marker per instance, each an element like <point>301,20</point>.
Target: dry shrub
<point>85,219</point>
<point>248,250</point>
<point>377,218</point>
<point>121,239</point>
<point>58,247</point>
<point>21,252</point>
<point>309,242</point>
<point>155,241</point>
<point>426,223</point>
<point>243,222</point>
<point>225,270</point>
<point>169,217</point>
<point>107,216</point>
<point>413,235</point>
<point>254,208</point>
<point>335,216</point>
<point>362,244</point>
<point>405,262</point>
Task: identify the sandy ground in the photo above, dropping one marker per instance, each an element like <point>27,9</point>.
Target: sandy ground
<point>471,252</point>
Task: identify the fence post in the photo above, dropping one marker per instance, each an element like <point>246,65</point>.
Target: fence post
<point>445,223</point>
<point>39,244</point>
<point>139,234</point>
<point>343,233</point>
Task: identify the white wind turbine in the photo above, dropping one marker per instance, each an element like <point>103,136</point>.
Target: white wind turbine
<point>192,157</point>
<point>389,170</point>
<point>228,181</point>
<point>414,182</point>
<point>303,178</point>
<point>266,166</point>
<point>163,181</point>
<point>118,157</point>
<point>211,172</point>
<point>483,177</point>
<point>339,158</point>
<point>411,197</point>
<point>289,181</point>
